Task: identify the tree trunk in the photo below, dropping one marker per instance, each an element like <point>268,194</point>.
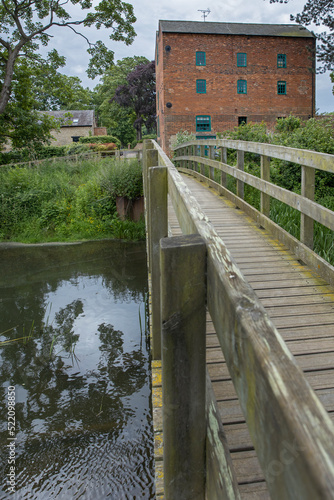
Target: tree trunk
<point>7,84</point>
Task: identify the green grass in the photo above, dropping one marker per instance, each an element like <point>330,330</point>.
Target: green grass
<point>66,201</point>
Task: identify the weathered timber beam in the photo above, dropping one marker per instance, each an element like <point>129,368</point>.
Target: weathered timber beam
<point>321,161</point>
<point>183,316</point>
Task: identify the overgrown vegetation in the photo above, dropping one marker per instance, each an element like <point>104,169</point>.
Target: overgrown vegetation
<point>68,201</point>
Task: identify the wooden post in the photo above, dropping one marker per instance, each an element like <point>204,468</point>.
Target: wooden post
<point>223,177</point>
<point>212,157</point>
<point>157,229</point>
<point>183,315</point>
<point>202,154</point>
<point>265,175</point>
<point>240,166</point>
<point>150,157</point>
<point>307,190</point>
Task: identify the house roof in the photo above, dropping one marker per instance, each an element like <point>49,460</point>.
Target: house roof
<point>79,118</point>
<point>211,28</point>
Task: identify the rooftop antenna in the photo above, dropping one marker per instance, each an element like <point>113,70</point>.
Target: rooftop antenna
<point>206,12</point>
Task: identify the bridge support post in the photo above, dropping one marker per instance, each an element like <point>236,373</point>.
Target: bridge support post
<point>212,157</point>
<point>183,314</point>
<point>240,166</point>
<point>307,190</point>
<point>265,175</point>
<point>202,154</point>
<point>157,228</point>
<point>223,176</point>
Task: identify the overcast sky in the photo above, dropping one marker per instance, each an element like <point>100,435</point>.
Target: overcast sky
<point>149,12</point>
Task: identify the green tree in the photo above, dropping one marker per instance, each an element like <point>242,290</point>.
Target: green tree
<point>138,94</point>
<point>320,13</point>
<point>117,119</point>
<point>38,86</point>
<point>24,25</point>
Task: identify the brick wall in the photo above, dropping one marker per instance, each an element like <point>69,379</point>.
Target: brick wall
<point>177,73</point>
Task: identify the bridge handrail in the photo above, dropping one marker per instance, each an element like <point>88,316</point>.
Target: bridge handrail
<point>310,211</point>
<point>308,158</point>
<point>290,429</point>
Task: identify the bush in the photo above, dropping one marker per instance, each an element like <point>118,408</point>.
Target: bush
<point>26,154</point>
<point>65,201</point>
<point>123,178</point>
<point>100,139</point>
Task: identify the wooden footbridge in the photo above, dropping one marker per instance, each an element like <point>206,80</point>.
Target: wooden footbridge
<point>242,330</point>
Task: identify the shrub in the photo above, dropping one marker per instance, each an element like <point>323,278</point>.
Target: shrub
<point>123,178</point>
<point>101,139</point>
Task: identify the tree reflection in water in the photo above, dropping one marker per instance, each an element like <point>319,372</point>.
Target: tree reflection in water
<point>83,422</point>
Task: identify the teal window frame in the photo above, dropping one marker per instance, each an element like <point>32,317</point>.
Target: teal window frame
<point>201,86</point>
<point>200,58</point>
<point>281,87</point>
<point>203,123</point>
<point>242,86</point>
<point>281,60</point>
<point>242,60</point>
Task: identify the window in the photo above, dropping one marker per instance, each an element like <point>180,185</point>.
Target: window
<point>242,59</point>
<point>281,60</point>
<point>281,88</point>
<point>242,120</point>
<point>200,59</point>
<point>201,86</point>
<point>203,123</point>
<point>242,87</point>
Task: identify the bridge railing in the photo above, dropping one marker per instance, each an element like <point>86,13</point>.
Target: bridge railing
<point>195,155</point>
<point>291,431</point>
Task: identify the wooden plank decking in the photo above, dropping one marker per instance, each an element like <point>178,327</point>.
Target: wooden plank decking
<point>301,306</point>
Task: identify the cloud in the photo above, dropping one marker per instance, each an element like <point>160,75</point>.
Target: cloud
<point>148,13</point>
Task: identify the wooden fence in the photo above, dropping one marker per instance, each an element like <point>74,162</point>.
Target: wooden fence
<point>118,154</point>
<point>195,155</point>
<point>290,429</point>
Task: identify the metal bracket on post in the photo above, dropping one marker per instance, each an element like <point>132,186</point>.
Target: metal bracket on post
<point>183,315</point>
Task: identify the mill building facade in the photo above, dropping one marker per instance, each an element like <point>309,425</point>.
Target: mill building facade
<point>214,76</point>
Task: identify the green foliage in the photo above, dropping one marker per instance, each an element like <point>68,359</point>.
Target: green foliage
<point>118,120</point>
<point>123,179</point>
<point>67,201</point>
<point>100,139</point>
<point>27,154</point>
<point>256,132</point>
<point>181,137</point>
<point>287,125</point>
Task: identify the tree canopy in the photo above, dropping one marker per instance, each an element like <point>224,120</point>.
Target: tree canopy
<point>139,94</point>
<point>25,24</point>
<point>38,86</point>
<point>320,13</point>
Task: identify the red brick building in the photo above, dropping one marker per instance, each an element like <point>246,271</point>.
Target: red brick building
<point>214,76</point>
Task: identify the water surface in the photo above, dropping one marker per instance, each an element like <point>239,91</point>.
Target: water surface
<point>80,370</point>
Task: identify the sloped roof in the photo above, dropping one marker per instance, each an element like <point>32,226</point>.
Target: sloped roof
<point>211,28</point>
<point>79,118</point>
